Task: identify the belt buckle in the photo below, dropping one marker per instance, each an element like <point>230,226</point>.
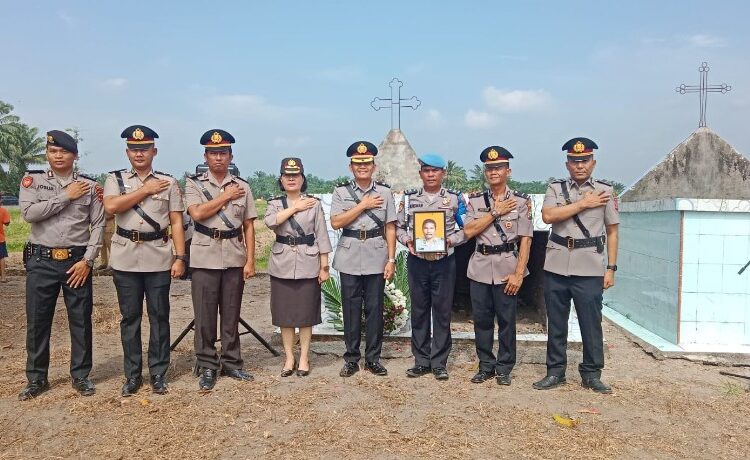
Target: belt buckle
<point>59,254</point>
<point>292,240</point>
<point>484,249</point>
<point>571,242</point>
<point>216,234</point>
<point>135,236</point>
<point>362,235</point>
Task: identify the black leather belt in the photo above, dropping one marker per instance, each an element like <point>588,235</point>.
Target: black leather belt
<point>58,254</point>
<point>362,234</point>
<point>572,243</point>
<point>136,237</point>
<point>496,249</point>
<point>296,240</point>
<point>217,234</point>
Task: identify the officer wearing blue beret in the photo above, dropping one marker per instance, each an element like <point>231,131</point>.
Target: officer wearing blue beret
<point>432,275</point>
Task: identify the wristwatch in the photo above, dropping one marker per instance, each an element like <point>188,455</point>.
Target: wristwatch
<point>89,262</point>
<point>393,261</point>
<point>612,267</point>
<point>325,268</point>
<point>182,258</point>
<point>494,213</point>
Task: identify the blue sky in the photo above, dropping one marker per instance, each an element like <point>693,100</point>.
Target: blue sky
<point>297,79</point>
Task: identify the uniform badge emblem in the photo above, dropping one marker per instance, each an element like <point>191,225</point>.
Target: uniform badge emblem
<point>492,155</point>
<point>138,134</point>
<point>291,163</point>
<point>578,147</point>
<point>216,137</point>
<point>508,225</point>
<point>361,148</point>
<point>50,139</point>
<point>27,181</point>
<point>60,254</point>
<point>400,206</point>
<point>446,200</point>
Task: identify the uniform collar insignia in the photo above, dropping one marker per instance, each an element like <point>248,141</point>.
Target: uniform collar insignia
<point>50,174</point>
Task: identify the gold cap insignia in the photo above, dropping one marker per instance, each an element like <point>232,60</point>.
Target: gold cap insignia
<point>361,148</point>
<point>50,139</point>
<point>216,137</point>
<point>492,155</point>
<point>291,163</point>
<point>578,147</point>
<point>138,134</point>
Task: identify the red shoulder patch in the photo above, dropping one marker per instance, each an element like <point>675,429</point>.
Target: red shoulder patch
<point>99,193</point>
<point>617,204</point>
<point>27,181</point>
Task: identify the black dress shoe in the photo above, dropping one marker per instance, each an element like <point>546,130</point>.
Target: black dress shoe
<point>289,372</point>
<point>440,373</point>
<point>482,376</point>
<point>159,384</point>
<point>84,386</point>
<point>549,382</point>
<point>303,372</point>
<point>131,387</point>
<point>503,379</point>
<point>349,369</point>
<point>596,385</point>
<point>238,374</point>
<point>33,389</point>
<point>376,368</point>
<point>417,371</point>
<point>207,379</point>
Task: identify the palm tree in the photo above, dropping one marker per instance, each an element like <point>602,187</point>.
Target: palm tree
<point>8,125</point>
<point>21,148</point>
<point>455,176</point>
<point>476,179</point>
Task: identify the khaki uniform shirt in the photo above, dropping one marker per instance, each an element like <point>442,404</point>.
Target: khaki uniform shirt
<point>146,256</point>
<point>206,252</point>
<point>492,268</point>
<point>56,221</point>
<point>355,256</point>
<point>300,261</point>
<point>579,261</point>
<point>451,202</point>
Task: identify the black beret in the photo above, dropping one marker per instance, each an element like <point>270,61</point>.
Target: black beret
<point>62,139</point>
<point>495,155</point>
<point>139,137</point>
<point>291,165</point>
<point>217,140</point>
<point>580,147</point>
<point>362,152</point>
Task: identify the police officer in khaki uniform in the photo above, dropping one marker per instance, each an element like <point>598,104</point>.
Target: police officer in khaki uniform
<point>432,275</point>
<point>145,203</point>
<point>298,263</point>
<point>222,257</point>
<point>67,223</point>
<point>500,219</point>
<point>584,219</point>
<point>365,256</point>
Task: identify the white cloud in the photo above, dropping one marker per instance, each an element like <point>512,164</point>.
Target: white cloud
<point>291,142</point>
<point>249,106</point>
<point>433,120</point>
<point>113,83</point>
<point>706,41</point>
<point>479,120</point>
<point>517,100</point>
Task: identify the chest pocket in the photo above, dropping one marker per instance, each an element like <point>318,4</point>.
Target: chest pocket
<point>159,203</point>
<point>237,209</point>
<point>79,209</point>
<point>509,223</point>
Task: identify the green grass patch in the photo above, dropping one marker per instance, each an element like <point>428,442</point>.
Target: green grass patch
<point>17,232</point>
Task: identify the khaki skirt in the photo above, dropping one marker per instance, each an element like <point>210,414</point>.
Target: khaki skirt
<point>295,303</point>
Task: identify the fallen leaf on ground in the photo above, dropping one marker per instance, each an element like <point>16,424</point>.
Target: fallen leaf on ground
<point>564,420</point>
<point>589,410</point>
<point>145,402</point>
<point>7,346</point>
<point>266,434</point>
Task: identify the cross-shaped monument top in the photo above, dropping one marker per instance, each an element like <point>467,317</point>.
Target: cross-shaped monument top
<point>395,102</point>
<point>703,89</point>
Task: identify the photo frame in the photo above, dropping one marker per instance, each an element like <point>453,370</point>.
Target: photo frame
<point>428,232</point>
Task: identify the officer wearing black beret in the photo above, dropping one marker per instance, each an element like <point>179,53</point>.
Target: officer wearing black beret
<point>67,225</point>
<point>365,256</point>
<point>584,221</point>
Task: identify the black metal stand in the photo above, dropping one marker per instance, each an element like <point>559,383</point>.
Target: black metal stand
<point>250,330</point>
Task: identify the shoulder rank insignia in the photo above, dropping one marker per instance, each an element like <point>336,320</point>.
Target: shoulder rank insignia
<point>117,170</point>
<point>34,171</point>
<point>275,198</point>
<point>411,191</point>
<point>343,184</point>
<point>307,195</point>
<point>603,182</point>
<point>557,181</point>
<point>86,177</point>
<point>475,194</point>
<point>383,184</point>
<point>454,191</point>
<point>195,176</point>
<point>162,173</point>
<point>521,194</point>
<point>241,179</point>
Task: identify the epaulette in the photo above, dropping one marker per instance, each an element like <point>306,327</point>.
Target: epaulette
<point>557,181</point>
<point>163,173</point>
<point>195,176</point>
<point>521,194</point>
<point>454,191</point>
<point>239,178</point>
<point>411,191</point>
<point>603,182</point>
<point>86,177</point>
<point>35,171</point>
<point>383,184</point>
<point>117,170</point>
<point>310,196</point>
<point>275,198</point>
<point>343,184</point>
<point>475,194</point>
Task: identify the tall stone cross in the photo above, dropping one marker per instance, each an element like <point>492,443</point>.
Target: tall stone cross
<point>395,102</point>
<point>703,89</point>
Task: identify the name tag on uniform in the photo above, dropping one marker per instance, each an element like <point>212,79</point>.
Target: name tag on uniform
<point>46,187</point>
<point>483,209</point>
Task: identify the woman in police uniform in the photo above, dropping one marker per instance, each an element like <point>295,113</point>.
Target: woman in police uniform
<point>298,264</point>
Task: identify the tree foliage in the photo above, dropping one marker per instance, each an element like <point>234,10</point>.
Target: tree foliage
<point>20,146</point>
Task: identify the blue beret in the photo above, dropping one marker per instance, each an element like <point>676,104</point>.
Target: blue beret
<point>432,159</point>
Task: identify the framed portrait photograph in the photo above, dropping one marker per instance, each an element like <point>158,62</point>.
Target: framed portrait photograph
<point>429,232</point>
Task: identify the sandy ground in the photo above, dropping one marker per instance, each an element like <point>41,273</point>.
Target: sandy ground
<point>659,409</point>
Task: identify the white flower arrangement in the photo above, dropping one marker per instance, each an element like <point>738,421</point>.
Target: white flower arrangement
<point>401,314</point>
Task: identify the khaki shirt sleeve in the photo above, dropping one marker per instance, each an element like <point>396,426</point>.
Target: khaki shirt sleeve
<point>34,210</point>
<point>321,231</point>
<point>337,202</point>
<point>193,194</point>
<point>402,230</point>
<point>390,207</point>
<point>611,215</point>
<point>457,238</point>
<point>175,198</point>
<point>251,212</point>
<point>96,218</point>
<point>110,186</point>
<point>470,212</point>
<point>525,225</point>
<point>271,212</point>
<point>550,198</point>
